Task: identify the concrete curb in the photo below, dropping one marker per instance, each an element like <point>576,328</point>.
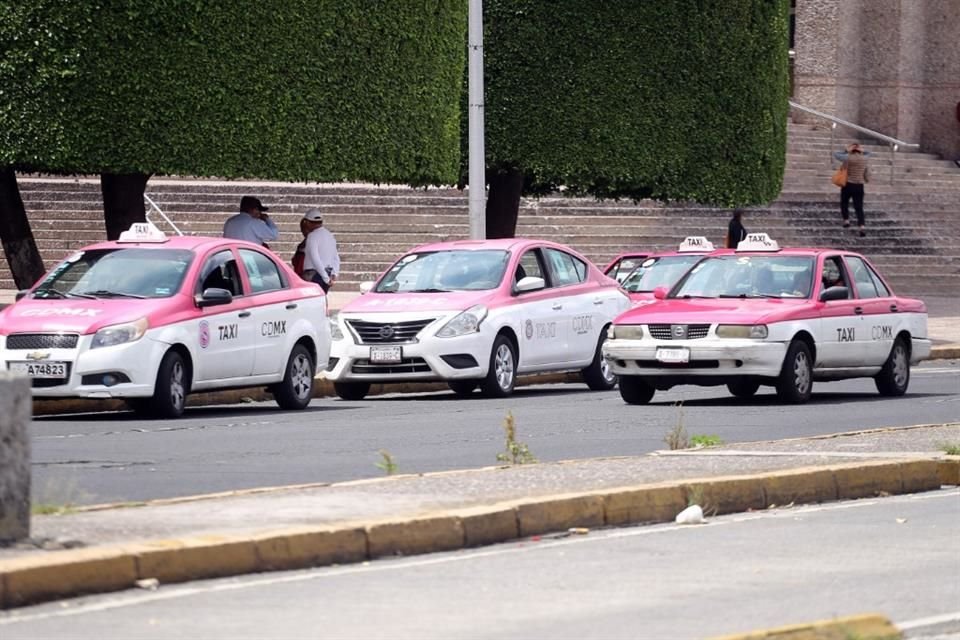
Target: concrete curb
<point>871,625</point>
<point>61,574</point>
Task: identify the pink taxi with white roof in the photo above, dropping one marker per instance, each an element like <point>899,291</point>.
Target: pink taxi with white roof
<point>762,315</point>
<point>664,268</point>
<point>477,313</point>
<point>150,318</point>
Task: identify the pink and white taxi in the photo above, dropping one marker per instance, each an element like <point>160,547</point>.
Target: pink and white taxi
<point>150,318</point>
<point>664,268</point>
<point>761,315</point>
<point>477,313</point>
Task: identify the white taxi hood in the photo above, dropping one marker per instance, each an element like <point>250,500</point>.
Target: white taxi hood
<point>30,315</point>
<point>413,302</point>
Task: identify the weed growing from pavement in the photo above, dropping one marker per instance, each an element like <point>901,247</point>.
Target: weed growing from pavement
<point>46,509</point>
<point>695,496</point>
<point>951,448</point>
<point>514,452</point>
<point>705,440</point>
<point>387,464</point>
<point>677,437</point>
<point>57,496</point>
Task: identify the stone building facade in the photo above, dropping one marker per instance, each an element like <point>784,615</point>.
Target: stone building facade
<point>889,65</point>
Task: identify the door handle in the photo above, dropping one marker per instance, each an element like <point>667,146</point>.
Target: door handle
<point>557,307</point>
<point>291,306</point>
<point>597,301</point>
<point>244,314</point>
<point>858,310</point>
<point>893,308</point>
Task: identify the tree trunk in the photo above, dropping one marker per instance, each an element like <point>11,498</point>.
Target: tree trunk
<point>503,203</point>
<point>122,201</point>
<point>18,243</point>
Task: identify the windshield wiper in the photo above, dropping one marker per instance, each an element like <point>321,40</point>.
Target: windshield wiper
<point>744,296</point>
<point>688,296</point>
<point>430,290</point>
<point>56,293</point>
<point>105,293</point>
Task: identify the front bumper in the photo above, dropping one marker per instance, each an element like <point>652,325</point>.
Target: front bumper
<point>708,357</point>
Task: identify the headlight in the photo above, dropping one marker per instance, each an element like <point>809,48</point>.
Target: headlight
<point>626,331</point>
<point>464,323</point>
<point>335,332</point>
<point>745,331</point>
<point>119,334</point>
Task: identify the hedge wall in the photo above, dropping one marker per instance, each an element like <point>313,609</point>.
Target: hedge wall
<point>287,89</point>
<point>669,99</point>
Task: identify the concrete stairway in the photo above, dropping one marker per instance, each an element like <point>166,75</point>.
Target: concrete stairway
<point>913,224</point>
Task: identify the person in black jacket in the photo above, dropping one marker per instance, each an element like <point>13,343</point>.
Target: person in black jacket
<point>735,230</point>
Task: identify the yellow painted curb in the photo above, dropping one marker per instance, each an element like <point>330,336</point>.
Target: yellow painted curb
<point>303,547</point>
<point>411,537</point>
<point>195,558</point>
<point>649,504</point>
<point>945,352</point>
<point>727,494</point>
<point>866,626</point>
<point>919,475</point>
<point>488,525</point>
<point>559,513</point>
<point>868,480</point>
<point>948,470</point>
<point>800,486</point>
<point>64,574</point>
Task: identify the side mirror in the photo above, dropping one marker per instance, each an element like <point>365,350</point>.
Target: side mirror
<point>834,293</point>
<point>366,287</point>
<point>214,297</point>
<point>660,293</point>
<point>530,283</point>
<point>21,294</point>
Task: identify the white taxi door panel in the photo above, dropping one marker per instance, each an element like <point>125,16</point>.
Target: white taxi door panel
<point>272,309</point>
<point>225,337</point>
<point>540,317</point>
<point>879,311</point>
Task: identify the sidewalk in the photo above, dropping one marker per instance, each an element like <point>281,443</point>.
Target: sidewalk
<point>111,547</point>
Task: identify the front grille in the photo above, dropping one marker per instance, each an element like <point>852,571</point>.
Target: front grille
<point>42,341</point>
<point>688,331</point>
<point>388,332</point>
<point>407,365</point>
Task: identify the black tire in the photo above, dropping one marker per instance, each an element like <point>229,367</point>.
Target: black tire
<point>296,389</point>
<point>463,387</point>
<point>352,390</point>
<point>795,384</point>
<point>894,377</point>
<point>598,375</point>
<point>636,390</point>
<point>743,388</point>
<point>173,385</point>
<point>502,372</point>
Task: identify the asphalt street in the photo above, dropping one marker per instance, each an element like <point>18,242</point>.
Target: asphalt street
<point>895,556</point>
<point>95,458</point>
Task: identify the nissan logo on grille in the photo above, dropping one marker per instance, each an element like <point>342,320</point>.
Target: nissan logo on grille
<point>679,331</point>
<point>386,332</point>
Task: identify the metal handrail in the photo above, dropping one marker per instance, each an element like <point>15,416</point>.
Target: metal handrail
<point>893,142</point>
<point>162,215</point>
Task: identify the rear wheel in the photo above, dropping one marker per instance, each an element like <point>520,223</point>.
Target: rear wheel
<point>743,388</point>
<point>636,390</point>
<point>296,389</point>
<point>599,376</point>
<point>352,390</point>
<point>894,377</point>
<point>463,387</point>
<point>795,384</point>
<point>173,384</point>
<point>502,373</point>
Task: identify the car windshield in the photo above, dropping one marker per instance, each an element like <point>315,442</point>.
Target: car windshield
<point>440,271</point>
<point>658,272</point>
<point>117,273</point>
<point>743,276</point>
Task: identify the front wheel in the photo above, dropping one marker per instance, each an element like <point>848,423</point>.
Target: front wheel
<point>795,384</point>
<point>502,372</point>
<point>296,389</point>
<point>173,383</point>
<point>635,390</point>
<point>599,376</point>
<point>894,377</point>
<point>743,388</point>
<point>352,390</point>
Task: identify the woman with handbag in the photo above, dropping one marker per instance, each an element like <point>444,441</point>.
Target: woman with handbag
<point>857,175</point>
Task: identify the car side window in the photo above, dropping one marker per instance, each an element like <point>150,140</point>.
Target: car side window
<point>220,271</point>
<point>833,275</point>
<point>861,277</point>
<point>623,268</point>
<point>528,267</point>
<point>263,272</point>
<point>882,290</point>
<point>564,268</point>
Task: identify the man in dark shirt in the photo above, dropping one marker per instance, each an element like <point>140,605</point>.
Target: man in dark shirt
<point>735,230</point>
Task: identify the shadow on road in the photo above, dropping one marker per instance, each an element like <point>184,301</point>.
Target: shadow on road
<point>195,413</point>
<point>770,399</point>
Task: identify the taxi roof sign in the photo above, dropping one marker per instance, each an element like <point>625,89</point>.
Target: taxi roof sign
<point>695,243</point>
<point>142,232</point>
<point>758,242</point>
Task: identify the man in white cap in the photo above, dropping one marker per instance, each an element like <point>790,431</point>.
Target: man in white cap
<point>321,262</point>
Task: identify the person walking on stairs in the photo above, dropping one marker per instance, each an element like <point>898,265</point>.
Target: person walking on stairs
<point>858,174</point>
<point>735,230</point>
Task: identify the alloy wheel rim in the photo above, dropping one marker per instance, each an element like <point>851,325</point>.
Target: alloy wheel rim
<point>504,367</point>
<point>607,371</point>
<point>176,385</point>
<point>900,371</point>
<point>300,376</point>
<point>801,373</point>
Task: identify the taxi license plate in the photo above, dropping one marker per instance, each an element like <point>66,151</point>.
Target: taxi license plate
<point>46,370</point>
<point>673,354</point>
<point>386,354</point>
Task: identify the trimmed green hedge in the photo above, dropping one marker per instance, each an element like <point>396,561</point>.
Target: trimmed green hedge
<point>667,99</point>
<point>294,90</point>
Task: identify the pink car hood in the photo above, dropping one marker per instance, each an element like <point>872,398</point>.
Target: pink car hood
<point>75,316</point>
<point>394,302</point>
<point>724,311</point>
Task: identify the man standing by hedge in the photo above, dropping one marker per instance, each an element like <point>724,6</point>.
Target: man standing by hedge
<point>251,224</point>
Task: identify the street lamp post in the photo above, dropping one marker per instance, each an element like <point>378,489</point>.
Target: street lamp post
<point>477,158</point>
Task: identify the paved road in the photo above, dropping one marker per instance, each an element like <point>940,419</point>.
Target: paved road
<point>86,459</point>
<point>897,556</point>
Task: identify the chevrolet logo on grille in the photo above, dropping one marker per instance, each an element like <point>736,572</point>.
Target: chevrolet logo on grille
<point>38,355</point>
